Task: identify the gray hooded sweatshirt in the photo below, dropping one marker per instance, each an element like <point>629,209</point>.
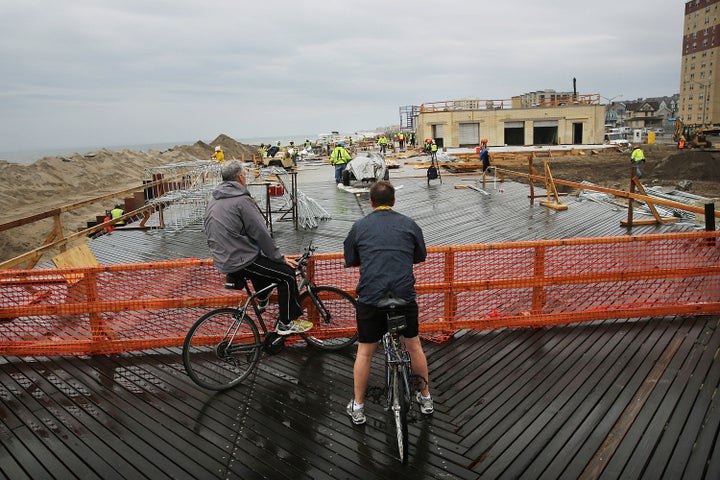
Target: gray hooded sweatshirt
<point>235,229</point>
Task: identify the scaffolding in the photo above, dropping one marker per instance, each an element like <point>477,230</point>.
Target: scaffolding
<point>182,192</point>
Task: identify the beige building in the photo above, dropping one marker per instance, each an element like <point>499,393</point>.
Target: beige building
<point>562,119</point>
<point>699,102</point>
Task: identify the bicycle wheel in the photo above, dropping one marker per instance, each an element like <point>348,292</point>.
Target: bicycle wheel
<point>399,409</point>
<point>221,349</point>
<point>329,309</point>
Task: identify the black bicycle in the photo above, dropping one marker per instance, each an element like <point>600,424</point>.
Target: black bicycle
<point>225,345</point>
<point>400,382</point>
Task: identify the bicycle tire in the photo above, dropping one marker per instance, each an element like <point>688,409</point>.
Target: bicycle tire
<point>399,410</point>
<point>337,311</point>
<point>207,359</point>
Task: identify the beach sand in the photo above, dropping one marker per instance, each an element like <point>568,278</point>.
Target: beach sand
<point>54,182</point>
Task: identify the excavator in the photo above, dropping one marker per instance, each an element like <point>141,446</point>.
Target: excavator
<point>693,136</point>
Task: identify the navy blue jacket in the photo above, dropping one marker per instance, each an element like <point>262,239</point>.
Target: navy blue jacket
<point>385,244</point>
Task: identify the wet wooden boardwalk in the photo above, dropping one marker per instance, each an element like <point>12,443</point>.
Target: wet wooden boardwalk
<point>613,399</point>
<point>623,399</point>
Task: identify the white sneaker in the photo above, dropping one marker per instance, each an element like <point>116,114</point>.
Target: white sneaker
<point>426,404</point>
<point>296,326</point>
<point>340,185</point>
<point>357,416</point>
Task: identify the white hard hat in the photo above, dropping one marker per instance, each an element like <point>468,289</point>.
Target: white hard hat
<point>217,149</point>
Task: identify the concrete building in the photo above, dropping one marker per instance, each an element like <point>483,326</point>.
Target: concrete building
<point>530,119</point>
<point>699,102</point>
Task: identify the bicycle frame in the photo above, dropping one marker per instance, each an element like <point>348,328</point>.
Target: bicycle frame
<point>397,360</point>
<point>398,372</point>
<point>252,300</point>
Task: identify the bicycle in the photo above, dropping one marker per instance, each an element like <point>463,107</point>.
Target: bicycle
<point>400,382</point>
<point>224,346</point>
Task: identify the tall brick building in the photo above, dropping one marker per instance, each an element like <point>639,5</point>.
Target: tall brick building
<point>699,102</point>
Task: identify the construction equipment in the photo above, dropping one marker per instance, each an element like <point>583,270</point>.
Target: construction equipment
<point>693,136</point>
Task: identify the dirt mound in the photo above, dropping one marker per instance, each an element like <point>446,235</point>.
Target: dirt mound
<point>690,165</point>
<point>695,171</point>
<point>53,182</point>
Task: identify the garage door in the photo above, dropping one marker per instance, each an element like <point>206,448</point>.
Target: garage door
<point>469,134</point>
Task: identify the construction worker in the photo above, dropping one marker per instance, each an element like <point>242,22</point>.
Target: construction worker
<point>339,158</point>
<point>117,212</point>
<point>636,158</point>
<point>382,143</point>
<point>108,217</point>
<point>433,150</point>
<point>401,140</point>
<point>428,144</point>
<point>219,155</point>
<point>681,142</point>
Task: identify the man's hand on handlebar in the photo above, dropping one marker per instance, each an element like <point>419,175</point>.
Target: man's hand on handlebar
<point>291,261</point>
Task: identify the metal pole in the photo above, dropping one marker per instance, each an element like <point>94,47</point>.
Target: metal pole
<point>710,221</point>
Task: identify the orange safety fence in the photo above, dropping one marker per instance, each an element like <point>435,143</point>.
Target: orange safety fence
<point>110,309</point>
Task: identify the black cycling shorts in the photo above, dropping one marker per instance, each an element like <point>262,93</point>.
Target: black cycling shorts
<point>372,322</point>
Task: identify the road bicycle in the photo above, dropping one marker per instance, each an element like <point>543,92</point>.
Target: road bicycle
<point>400,382</point>
<point>225,345</point>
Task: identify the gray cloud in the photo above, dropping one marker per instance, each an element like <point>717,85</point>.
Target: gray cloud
<point>107,72</point>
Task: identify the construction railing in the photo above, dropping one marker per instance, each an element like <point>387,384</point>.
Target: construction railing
<point>107,309</point>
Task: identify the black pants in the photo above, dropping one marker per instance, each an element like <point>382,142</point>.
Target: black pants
<point>263,271</point>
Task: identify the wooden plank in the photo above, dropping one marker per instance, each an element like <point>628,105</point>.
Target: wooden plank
<point>641,439</point>
<point>605,453</point>
<point>148,436</point>
<point>676,443</point>
<point>620,394</point>
<point>554,387</point>
<point>593,396</point>
<point>73,426</point>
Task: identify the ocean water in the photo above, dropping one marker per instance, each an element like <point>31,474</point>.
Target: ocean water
<point>26,157</point>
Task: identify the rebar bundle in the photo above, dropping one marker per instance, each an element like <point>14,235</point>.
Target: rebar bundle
<point>309,212</point>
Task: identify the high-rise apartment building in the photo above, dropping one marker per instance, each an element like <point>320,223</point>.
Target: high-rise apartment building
<point>699,102</point>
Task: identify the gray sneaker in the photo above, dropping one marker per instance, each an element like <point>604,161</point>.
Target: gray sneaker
<point>426,404</point>
<point>357,416</point>
<point>296,326</point>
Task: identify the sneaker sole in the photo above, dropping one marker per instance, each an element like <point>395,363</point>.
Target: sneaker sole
<point>294,332</point>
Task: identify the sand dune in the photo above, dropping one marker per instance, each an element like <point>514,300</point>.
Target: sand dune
<point>53,182</point>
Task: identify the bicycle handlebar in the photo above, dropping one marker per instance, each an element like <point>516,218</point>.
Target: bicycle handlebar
<point>303,259</point>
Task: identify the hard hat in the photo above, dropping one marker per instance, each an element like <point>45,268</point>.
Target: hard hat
<point>217,149</point>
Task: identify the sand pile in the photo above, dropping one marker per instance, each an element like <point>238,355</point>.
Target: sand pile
<point>53,182</point>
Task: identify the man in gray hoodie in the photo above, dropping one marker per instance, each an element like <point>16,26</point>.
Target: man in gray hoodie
<point>241,245</point>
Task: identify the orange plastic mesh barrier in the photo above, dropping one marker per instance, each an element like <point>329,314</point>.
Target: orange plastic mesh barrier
<point>109,309</point>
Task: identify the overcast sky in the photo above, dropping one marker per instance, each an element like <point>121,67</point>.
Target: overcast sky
<point>113,72</point>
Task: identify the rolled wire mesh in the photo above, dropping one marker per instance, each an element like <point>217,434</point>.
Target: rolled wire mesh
<point>107,309</point>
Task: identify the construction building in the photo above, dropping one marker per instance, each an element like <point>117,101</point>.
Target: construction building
<point>537,118</point>
<point>699,92</point>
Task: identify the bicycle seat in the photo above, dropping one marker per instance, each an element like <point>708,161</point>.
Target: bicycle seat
<point>235,281</point>
<point>391,301</point>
